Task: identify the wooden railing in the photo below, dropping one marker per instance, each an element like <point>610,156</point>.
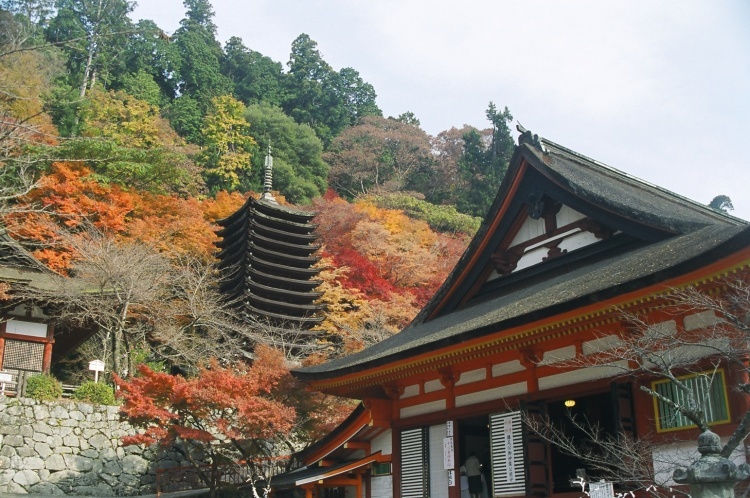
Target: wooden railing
<point>231,475</point>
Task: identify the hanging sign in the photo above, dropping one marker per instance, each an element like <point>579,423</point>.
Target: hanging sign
<point>448,462</point>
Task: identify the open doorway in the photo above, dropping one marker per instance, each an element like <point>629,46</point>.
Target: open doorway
<point>594,410</point>
<point>474,434</point>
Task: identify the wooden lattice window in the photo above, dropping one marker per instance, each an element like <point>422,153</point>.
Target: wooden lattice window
<point>708,389</point>
<point>23,355</point>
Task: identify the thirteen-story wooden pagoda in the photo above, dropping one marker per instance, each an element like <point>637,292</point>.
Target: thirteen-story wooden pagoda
<point>267,256</point>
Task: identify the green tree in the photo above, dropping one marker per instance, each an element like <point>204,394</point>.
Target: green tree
<point>721,203</point>
<point>327,100</point>
<point>149,51</point>
<point>483,165</point>
<point>94,32</point>
<point>227,144</point>
<point>200,56</point>
<point>299,172</point>
<point>256,78</point>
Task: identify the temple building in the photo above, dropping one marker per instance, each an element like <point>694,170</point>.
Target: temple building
<point>27,331</point>
<point>267,257</point>
<point>569,248</point>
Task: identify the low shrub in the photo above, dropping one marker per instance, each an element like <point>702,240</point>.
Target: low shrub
<point>43,387</point>
<point>96,392</point>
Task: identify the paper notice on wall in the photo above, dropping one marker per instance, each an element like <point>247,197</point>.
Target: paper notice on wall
<point>510,460</point>
<point>448,462</point>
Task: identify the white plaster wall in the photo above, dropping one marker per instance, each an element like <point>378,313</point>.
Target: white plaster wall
<point>382,443</point>
<point>567,215</point>
<point>491,394</point>
<point>472,376</point>
<point>530,229</point>
<point>438,475</point>
<point>433,385</point>
<point>700,320</point>
<point>506,368</point>
<point>557,355</point>
<point>410,391</point>
<point>601,344</point>
<point>582,375</point>
<point>382,486</point>
<point>434,406</point>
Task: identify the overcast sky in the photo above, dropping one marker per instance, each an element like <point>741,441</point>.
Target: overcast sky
<point>658,89</point>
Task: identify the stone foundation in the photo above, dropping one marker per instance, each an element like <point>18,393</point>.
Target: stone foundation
<point>73,448</point>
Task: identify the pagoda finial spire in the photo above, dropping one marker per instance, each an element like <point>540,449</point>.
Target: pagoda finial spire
<point>268,178</point>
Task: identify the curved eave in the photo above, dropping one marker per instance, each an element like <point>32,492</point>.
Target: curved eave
<point>283,258</point>
<point>294,238</point>
<point>282,212</point>
<point>306,320</point>
<point>286,271</point>
<point>280,291</point>
<point>284,225</point>
<point>297,309</point>
<point>299,249</point>
<point>289,283</point>
<point>232,218</point>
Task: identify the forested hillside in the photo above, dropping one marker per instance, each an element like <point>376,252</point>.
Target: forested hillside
<point>115,131</point>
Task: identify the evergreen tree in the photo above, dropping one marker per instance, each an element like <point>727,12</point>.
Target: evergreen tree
<point>200,77</point>
<point>483,165</point>
<point>256,78</point>
<point>95,32</point>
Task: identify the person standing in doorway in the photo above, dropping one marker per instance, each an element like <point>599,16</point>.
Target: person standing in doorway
<point>474,473</point>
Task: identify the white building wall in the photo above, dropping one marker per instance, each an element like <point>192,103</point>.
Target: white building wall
<point>438,475</point>
<point>382,443</point>
<point>382,486</point>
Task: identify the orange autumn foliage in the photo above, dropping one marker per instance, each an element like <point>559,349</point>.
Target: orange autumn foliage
<point>68,198</point>
<point>172,224</point>
<point>218,404</point>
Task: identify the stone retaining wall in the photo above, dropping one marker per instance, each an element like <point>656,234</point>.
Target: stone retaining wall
<point>73,448</point>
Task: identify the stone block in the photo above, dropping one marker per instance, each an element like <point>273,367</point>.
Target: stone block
<point>26,431</point>
<point>43,450</point>
<point>14,487</point>
<point>135,465</point>
<point>25,452</point>
<point>108,454</point>
<point>85,408</point>
<point>13,440</point>
<point>41,412</point>
<point>42,427</point>
<point>55,463</point>
<point>71,441</point>
<point>6,476</point>
<point>59,412</point>
<point>90,453</point>
<point>46,489</point>
<point>33,463</point>
<point>54,441</point>
<point>77,416</point>
<point>10,429</point>
<point>26,478</point>
<point>112,468</point>
<point>64,477</point>
<point>99,441</point>
<point>79,463</point>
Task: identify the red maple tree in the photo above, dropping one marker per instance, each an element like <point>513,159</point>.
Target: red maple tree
<point>220,417</point>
